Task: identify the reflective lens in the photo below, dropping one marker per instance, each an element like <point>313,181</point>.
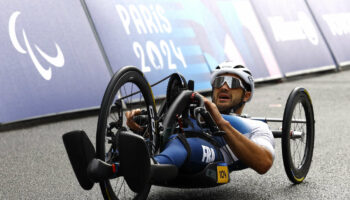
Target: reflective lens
<point>232,82</point>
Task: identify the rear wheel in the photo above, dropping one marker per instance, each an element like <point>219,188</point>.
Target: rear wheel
<point>298,134</point>
<point>127,90</point>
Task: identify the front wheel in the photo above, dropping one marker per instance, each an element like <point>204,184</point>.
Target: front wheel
<point>127,90</point>
<point>298,133</point>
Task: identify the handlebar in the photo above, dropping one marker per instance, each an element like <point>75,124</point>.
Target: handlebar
<point>179,105</point>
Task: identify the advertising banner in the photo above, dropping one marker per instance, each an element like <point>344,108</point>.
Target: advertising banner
<point>333,16</point>
<point>294,36</point>
<point>148,35</point>
<point>230,30</point>
<point>189,37</point>
<point>50,61</point>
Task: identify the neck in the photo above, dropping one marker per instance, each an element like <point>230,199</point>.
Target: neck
<point>230,111</point>
<point>239,110</point>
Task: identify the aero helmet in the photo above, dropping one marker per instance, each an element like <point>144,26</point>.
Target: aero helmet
<point>239,70</point>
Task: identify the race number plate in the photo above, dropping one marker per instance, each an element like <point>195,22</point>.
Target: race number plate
<point>222,173</point>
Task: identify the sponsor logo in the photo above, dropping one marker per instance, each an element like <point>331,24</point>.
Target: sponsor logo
<point>300,29</point>
<point>208,154</point>
<point>153,122</point>
<point>57,61</point>
<point>251,79</point>
<point>338,23</point>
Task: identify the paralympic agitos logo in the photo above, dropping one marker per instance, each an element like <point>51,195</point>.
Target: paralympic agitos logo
<point>45,72</point>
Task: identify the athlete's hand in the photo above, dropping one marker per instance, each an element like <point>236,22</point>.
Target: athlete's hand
<point>130,120</point>
<point>214,112</point>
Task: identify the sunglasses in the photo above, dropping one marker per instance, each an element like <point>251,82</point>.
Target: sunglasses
<point>232,82</point>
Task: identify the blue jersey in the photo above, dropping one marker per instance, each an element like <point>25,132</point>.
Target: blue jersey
<point>256,131</point>
<point>204,152</point>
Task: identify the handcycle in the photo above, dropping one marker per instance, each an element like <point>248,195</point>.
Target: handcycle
<point>128,89</point>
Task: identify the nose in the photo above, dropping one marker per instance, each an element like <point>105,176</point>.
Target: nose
<point>225,86</point>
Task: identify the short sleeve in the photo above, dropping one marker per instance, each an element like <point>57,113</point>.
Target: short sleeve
<point>263,136</point>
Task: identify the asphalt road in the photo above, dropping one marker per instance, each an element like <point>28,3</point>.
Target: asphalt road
<point>34,164</point>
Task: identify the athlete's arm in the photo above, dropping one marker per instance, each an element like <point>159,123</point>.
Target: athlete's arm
<point>250,153</point>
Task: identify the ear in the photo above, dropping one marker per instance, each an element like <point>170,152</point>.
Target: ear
<point>247,96</point>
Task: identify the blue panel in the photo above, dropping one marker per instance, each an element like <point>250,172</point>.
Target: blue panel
<point>293,34</point>
<point>333,16</point>
<point>146,34</point>
<point>229,30</point>
<point>50,61</point>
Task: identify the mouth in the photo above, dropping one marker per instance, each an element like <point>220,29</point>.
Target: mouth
<point>224,97</point>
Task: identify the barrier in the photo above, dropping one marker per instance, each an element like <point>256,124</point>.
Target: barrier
<point>149,35</point>
<point>293,35</point>
<point>58,56</point>
<point>333,16</point>
<point>189,37</point>
<point>230,30</point>
<point>50,62</point>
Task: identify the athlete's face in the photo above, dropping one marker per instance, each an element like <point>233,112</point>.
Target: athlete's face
<point>225,97</point>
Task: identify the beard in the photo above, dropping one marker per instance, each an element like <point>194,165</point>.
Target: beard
<point>224,108</point>
<point>228,107</point>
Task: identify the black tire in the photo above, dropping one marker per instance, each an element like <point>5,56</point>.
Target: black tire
<point>112,119</point>
<point>176,85</point>
<point>298,108</point>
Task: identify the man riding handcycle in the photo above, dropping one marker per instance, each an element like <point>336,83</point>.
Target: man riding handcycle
<point>184,145</point>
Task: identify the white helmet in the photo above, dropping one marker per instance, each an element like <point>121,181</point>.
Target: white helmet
<point>239,70</point>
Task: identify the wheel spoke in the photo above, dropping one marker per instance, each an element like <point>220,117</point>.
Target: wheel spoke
<point>297,149</point>
<point>115,103</point>
<point>298,145</point>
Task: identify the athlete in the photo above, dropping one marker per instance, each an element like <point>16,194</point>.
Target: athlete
<point>245,143</point>
<point>242,142</point>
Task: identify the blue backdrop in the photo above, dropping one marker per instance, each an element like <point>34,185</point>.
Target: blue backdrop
<point>293,34</point>
<point>190,37</point>
<point>333,17</point>
<point>149,36</point>
<point>50,61</point>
